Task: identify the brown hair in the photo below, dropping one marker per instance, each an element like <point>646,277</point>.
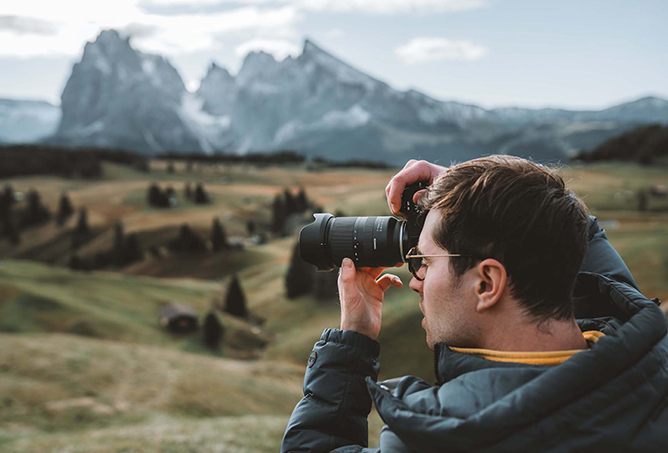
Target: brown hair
<point>521,214</point>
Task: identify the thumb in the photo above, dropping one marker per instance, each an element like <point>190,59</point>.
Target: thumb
<point>347,274</point>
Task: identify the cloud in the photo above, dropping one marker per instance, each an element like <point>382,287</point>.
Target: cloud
<point>184,7</point>
<point>420,50</point>
<point>334,33</point>
<point>27,26</point>
<point>280,49</point>
<point>82,20</point>
<point>137,30</point>
<point>391,6</point>
<point>419,7</point>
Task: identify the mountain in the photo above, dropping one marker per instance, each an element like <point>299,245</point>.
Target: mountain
<point>26,121</point>
<point>118,97</point>
<point>316,104</point>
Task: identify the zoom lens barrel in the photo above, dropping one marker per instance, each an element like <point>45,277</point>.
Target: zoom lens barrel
<point>368,241</point>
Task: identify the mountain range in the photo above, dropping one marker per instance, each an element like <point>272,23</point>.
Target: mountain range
<point>314,103</point>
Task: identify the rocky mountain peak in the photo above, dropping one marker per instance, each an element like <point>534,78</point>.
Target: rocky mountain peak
<point>313,56</point>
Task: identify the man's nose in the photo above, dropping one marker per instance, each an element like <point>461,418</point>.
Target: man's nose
<point>416,285</point>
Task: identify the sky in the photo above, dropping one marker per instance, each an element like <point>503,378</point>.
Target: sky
<point>584,54</point>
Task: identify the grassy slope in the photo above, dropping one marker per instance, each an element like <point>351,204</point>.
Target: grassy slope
<point>88,390</point>
<point>642,239</point>
<point>39,298</point>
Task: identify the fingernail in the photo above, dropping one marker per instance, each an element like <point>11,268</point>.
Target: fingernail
<point>347,262</point>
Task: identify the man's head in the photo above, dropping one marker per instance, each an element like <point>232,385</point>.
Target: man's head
<point>523,237</point>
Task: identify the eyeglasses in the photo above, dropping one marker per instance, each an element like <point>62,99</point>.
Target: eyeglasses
<point>415,261</point>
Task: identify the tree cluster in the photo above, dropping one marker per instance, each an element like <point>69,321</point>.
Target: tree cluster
<point>644,145</point>
<point>198,195</point>
<point>234,304</point>
<point>125,249</point>
<point>187,241</point>
<point>276,158</point>
<point>321,162</point>
<point>32,213</point>
<point>35,213</point>
<point>8,223</point>
<point>160,198</point>
<point>284,205</point>
<point>23,160</point>
<point>302,279</point>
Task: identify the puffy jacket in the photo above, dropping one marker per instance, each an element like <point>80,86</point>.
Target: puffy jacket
<point>610,398</point>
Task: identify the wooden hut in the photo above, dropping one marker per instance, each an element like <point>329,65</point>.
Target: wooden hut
<point>178,318</point>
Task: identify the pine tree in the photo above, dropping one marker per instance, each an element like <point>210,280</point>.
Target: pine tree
<point>155,196</point>
<point>300,276</point>
<point>290,203</point>
<point>642,200</point>
<point>213,331</point>
<point>6,202</point>
<point>9,193</point>
<point>82,223</point>
<point>170,195</point>
<point>302,201</point>
<point>80,233</point>
<point>10,230</point>
<point>250,227</point>
<point>133,251</point>
<point>65,209</point>
<point>218,236</point>
<point>201,197</point>
<point>36,213</point>
<point>118,250</point>
<point>278,216</point>
<point>235,301</point>
<point>187,241</point>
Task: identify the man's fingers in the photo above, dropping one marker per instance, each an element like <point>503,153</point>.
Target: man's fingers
<point>413,171</point>
<point>388,280</point>
<point>389,184</point>
<point>418,195</point>
<point>347,274</point>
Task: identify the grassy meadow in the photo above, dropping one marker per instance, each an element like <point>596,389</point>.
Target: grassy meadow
<point>86,367</point>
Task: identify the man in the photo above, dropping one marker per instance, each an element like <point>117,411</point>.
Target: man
<point>509,260</point>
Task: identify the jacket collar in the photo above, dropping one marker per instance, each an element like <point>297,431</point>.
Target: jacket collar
<point>606,303</point>
<point>425,428</point>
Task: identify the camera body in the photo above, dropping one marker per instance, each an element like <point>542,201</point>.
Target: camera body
<point>376,241</point>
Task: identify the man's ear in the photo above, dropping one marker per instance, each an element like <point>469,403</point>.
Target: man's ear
<point>491,283</point>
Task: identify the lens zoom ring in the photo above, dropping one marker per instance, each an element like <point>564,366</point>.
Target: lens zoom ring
<point>341,234</point>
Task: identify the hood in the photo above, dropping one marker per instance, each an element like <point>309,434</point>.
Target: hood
<point>608,392</point>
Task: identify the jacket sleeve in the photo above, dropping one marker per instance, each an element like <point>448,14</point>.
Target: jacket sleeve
<point>336,403</point>
<point>602,258</point>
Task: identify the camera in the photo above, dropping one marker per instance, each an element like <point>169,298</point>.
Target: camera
<point>376,241</point>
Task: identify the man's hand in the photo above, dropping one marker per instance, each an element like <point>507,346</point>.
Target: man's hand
<point>361,293</point>
<point>413,171</point>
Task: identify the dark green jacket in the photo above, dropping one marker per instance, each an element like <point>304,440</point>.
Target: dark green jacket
<point>611,398</point>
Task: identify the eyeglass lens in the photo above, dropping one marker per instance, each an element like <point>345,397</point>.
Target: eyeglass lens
<point>414,264</point>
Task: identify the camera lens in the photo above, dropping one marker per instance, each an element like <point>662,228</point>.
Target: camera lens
<point>368,241</point>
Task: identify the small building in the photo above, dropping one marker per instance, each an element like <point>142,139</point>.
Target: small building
<point>178,318</point>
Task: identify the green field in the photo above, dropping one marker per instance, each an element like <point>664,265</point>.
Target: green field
<point>85,366</point>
